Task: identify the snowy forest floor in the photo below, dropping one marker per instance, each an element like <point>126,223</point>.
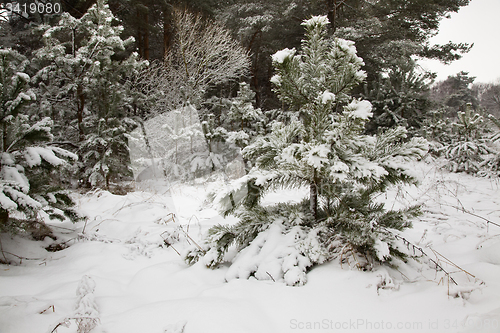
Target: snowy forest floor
<point>144,286</point>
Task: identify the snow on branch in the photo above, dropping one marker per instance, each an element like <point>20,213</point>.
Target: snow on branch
<point>204,55</point>
<point>321,20</point>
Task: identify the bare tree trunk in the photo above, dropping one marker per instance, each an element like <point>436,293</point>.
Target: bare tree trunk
<point>167,32</point>
<point>313,196</point>
<point>143,32</point>
<point>4,138</point>
<point>146,35</point>
<point>254,65</point>
<point>333,7</point>
<point>80,95</point>
<point>4,216</point>
<point>140,45</point>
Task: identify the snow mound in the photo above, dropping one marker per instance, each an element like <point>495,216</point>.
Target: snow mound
<point>272,255</point>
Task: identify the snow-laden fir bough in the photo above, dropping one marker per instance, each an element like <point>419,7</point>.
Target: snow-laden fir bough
<point>27,158</point>
<point>323,147</point>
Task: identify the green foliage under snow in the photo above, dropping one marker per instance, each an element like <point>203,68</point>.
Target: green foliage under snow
<point>26,154</point>
<point>467,143</point>
<point>323,148</point>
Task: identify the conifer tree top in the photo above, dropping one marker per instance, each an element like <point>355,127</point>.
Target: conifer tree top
<point>320,21</point>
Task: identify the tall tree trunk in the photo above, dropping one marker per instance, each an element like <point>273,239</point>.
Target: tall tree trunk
<point>143,31</point>
<point>255,63</point>
<point>333,7</point>
<point>4,216</point>
<point>313,196</point>
<point>80,95</point>
<point>5,143</point>
<point>167,32</point>
<point>146,35</point>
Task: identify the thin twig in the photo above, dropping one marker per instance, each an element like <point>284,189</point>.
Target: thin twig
<point>139,203</point>
<point>437,265</point>
<point>452,263</point>
<point>85,226</point>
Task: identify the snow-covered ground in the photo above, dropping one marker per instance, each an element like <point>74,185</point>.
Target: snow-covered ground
<point>143,285</point>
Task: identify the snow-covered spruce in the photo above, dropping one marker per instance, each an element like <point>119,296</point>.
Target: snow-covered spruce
<point>326,151</point>
<point>88,83</point>
<point>86,314</point>
<point>27,191</point>
<point>26,156</point>
<point>492,161</point>
<point>471,149</point>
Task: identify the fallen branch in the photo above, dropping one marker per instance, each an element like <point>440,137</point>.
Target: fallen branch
<point>21,258</point>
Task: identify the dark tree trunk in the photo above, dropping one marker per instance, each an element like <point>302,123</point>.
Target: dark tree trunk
<point>80,95</point>
<point>143,31</point>
<point>140,45</point>
<point>146,36</point>
<point>5,143</point>
<point>255,63</point>
<point>333,7</point>
<point>313,196</point>
<point>167,32</point>
<point>4,216</point>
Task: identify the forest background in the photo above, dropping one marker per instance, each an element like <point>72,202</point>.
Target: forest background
<point>78,82</point>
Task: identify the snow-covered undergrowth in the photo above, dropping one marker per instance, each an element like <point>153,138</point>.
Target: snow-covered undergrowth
<point>123,269</point>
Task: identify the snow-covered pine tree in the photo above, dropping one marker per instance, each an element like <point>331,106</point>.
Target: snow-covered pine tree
<point>469,148</point>
<point>216,138</point>
<point>399,97</point>
<point>230,124</point>
<point>105,151</point>
<point>172,146</point>
<point>492,162</point>
<point>26,154</point>
<point>77,57</point>
<point>323,148</point>
<point>437,129</point>
<point>183,135</point>
<point>245,121</point>
<point>82,82</point>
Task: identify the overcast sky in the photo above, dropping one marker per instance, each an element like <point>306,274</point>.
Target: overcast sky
<point>477,23</point>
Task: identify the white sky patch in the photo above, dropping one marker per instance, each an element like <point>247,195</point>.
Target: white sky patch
<point>476,23</point>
